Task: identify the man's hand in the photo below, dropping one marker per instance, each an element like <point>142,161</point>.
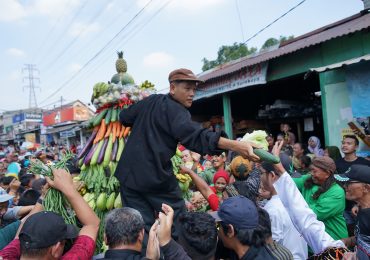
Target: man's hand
<point>245,149</point>
<point>185,170</point>
<point>152,249</point>
<point>165,225</point>
<point>277,148</point>
<point>62,180</point>
<point>279,168</point>
<point>14,185</point>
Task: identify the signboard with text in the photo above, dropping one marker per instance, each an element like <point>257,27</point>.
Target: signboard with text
<point>68,133</point>
<point>252,75</point>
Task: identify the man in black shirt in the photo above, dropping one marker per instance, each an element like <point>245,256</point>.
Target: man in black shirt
<point>357,185</point>
<point>159,123</point>
<point>349,146</point>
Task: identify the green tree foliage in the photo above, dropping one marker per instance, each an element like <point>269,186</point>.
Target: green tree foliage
<point>238,50</point>
<point>228,53</point>
<point>273,41</point>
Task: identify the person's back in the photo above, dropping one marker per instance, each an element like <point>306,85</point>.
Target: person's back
<point>157,129</point>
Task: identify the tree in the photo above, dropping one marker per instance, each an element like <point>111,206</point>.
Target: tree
<point>238,50</point>
<point>273,41</point>
<point>228,53</point>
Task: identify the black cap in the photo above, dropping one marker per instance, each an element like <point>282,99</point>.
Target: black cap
<point>44,229</point>
<point>356,172</point>
<point>239,212</point>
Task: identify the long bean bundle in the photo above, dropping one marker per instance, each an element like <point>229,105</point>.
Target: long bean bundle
<point>54,200</point>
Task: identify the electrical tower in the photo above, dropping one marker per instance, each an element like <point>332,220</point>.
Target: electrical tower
<point>31,68</point>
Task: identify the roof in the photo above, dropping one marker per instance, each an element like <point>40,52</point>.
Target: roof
<point>340,28</point>
<point>341,64</point>
<point>61,128</point>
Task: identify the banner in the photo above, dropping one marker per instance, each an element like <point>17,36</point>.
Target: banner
<point>249,76</point>
<point>358,80</point>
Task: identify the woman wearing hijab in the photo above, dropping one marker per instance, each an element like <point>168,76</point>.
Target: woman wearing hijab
<point>314,146</point>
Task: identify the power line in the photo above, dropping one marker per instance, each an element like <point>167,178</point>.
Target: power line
<point>98,53</point>
<point>240,19</point>
<point>128,36</point>
<point>55,43</point>
<point>47,35</point>
<point>102,60</point>
<point>91,21</point>
<point>277,19</point>
<point>264,28</point>
<point>105,28</point>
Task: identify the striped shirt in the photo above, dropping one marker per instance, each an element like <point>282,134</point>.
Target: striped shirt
<point>279,251</point>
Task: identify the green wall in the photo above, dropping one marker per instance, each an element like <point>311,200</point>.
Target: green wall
<point>332,51</point>
<point>336,105</point>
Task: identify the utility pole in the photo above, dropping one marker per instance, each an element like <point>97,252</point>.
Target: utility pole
<point>30,68</point>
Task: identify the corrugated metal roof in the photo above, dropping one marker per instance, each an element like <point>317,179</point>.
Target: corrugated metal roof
<point>341,64</point>
<point>343,27</point>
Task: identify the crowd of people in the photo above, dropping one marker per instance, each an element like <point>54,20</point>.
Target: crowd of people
<point>314,203</point>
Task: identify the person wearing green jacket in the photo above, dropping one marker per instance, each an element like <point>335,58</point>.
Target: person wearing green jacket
<point>324,196</point>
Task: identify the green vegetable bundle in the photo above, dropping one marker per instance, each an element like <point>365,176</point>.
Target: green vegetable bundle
<point>55,200</point>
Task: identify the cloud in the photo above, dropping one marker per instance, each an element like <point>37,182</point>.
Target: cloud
<point>14,10</point>
<point>82,29</point>
<point>74,67</point>
<point>15,52</point>
<point>54,8</point>
<point>158,60</point>
<point>11,10</point>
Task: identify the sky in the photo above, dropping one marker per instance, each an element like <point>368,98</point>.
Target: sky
<point>73,43</point>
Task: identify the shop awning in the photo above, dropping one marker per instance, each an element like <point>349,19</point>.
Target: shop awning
<point>60,129</point>
<point>338,64</point>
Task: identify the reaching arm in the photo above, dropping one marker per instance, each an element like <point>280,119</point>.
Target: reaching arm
<point>245,149</point>
<point>201,185</point>
<point>303,218</point>
<point>24,210</point>
<point>63,182</point>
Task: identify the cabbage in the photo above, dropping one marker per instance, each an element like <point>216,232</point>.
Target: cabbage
<point>257,137</point>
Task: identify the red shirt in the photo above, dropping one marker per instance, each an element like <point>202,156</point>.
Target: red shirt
<point>213,199</point>
<point>83,248</point>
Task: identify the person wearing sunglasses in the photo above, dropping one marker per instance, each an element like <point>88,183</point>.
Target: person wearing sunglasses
<point>356,182</point>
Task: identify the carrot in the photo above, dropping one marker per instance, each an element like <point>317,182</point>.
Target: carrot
<point>127,130</point>
<point>118,129</point>
<point>101,132</point>
<point>109,130</point>
<point>122,131</point>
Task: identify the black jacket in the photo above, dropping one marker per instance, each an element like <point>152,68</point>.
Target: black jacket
<point>115,254</point>
<point>159,123</point>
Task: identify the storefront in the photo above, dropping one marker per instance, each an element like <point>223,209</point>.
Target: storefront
<point>273,87</point>
<point>63,126</point>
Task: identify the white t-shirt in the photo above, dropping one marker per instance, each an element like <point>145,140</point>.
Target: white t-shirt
<point>303,218</point>
<point>283,230</point>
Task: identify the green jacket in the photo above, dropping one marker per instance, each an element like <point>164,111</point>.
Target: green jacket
<point>329,207</point>
<point>7,233</point>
